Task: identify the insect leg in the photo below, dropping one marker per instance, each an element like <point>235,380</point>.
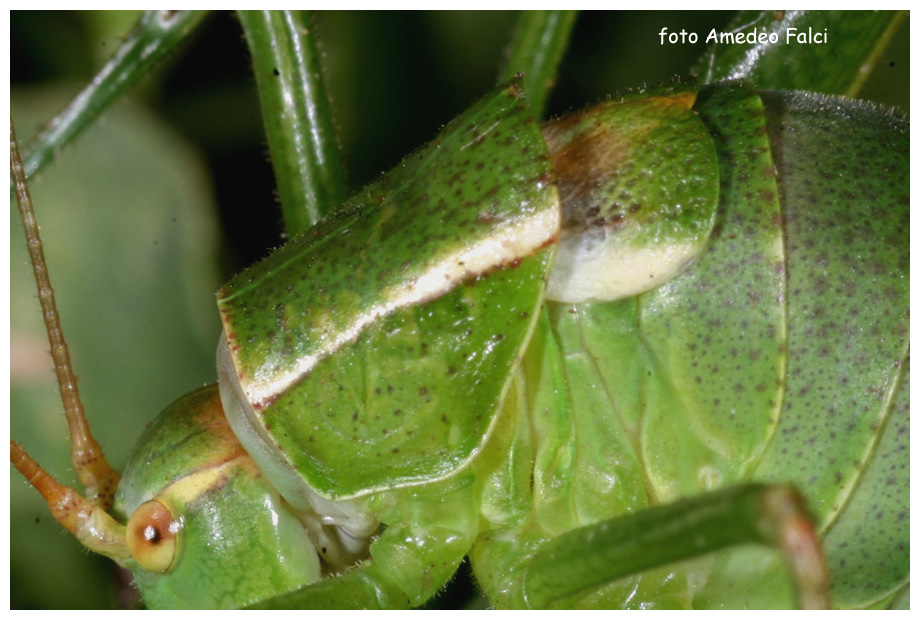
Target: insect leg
<point>433,529</point>
<point>592,555</point>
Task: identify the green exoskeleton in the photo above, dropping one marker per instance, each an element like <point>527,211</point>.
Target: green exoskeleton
<point>596,357</point>
<point>403,384</point>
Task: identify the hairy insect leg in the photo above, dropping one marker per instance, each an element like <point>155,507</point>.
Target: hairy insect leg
<point>433,527</point>
<point>591,556</point>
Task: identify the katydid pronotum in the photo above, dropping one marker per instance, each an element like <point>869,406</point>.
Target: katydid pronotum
<point>500,537</point>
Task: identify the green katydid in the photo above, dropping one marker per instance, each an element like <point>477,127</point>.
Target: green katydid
<point>495,545</point>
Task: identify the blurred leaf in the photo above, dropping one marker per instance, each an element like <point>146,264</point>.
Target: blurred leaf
<point>127,221</point>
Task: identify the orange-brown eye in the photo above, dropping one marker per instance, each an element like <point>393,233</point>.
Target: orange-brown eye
<point>152,536</point>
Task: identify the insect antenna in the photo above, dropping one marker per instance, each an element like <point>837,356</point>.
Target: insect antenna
<point>97,477</point>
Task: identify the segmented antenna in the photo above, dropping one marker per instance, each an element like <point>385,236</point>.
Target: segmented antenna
<point>97,477</point>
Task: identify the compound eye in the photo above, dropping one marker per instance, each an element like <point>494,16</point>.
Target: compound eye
<point>153,536</point>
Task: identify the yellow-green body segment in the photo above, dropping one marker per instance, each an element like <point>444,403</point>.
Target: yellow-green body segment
<point>403,392</point>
